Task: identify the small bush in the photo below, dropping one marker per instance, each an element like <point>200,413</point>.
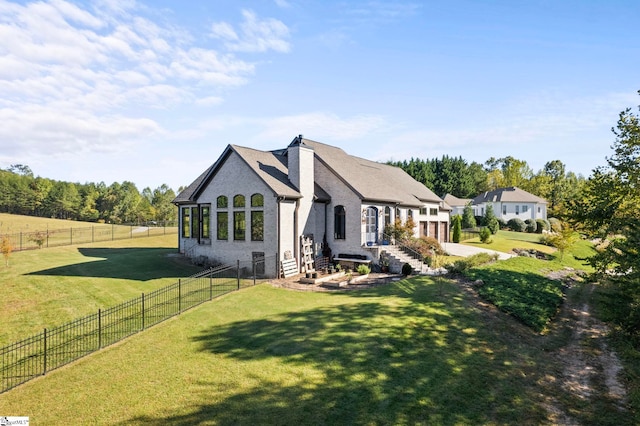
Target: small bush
<point>531,226</point>
<point>407,269</point>
<point>485,235</point>
<point>493,225</point>
<point>363,269</point>
<point>555,224</point>
<point>502,223</point>
<point>461,265</point>
<point>541,226</point>
<point>516,224</point>
<point>457,229</point>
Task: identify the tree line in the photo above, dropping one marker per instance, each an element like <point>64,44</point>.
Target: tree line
<point>456,176</point>
<point>23,193</point>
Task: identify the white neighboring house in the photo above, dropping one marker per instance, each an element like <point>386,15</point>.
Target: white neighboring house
<point>511,202</point>
<point>457,204</point>
<point>253,203</point>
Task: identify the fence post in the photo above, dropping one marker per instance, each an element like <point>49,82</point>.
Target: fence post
<point>254,271</point>
<point>93,234</point>
<point>99,328</point>
<point>211,286</point>
<point>238,273</point>
<point>143,311</point>
<point>179,295</point>
<point>70,236</point>
<point>131,230</point>
<point>44,361</point>
<point>20,240</point>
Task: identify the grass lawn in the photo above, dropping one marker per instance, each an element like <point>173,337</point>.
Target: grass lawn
<point>505,241</point>
<point>414,352</point>
<point>12,223</point>
<point>418,351</point>
<point>49,287</point>
<point>521,287</point>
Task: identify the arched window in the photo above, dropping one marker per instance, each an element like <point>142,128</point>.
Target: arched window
<point>339,223</point>
<point>222,202</point>
<point>257,200</point>
<point>387,216</point>
<point>238,201</point>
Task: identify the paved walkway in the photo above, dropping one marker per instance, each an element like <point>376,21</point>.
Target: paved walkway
<point>463,250</point>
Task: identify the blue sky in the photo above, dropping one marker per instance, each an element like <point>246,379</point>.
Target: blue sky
<point>152,91</point>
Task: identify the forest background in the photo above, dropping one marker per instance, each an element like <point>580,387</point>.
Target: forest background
<point>23,193</point>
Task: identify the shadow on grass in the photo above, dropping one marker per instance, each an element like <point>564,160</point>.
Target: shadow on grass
<point>418,354</point>
<point>141,264</point>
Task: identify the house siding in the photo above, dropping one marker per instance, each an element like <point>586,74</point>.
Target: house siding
<point>235,178</point>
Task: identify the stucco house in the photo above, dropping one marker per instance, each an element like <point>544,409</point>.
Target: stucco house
<point>457,204</point>
<point>509,203</point>
<point>253,203</point>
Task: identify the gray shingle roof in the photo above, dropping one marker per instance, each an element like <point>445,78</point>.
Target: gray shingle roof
<point>454,201</point>
<point>371,181</point>
<point>511,194</point>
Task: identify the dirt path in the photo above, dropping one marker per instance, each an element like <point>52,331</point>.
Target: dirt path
<point>588,369</point>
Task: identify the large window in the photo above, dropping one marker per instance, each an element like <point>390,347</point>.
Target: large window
<point>186,222</point>
<point>222,201</point>
<point>257,225</point>
<point>223,225</point>
<point>239,226</point>
<point>257,217</point>
<point>238,201</point>
<point>339,223</point>
<point>205,218</point>
<point>195,224</point>
<point>387,216</point>
<point>504,209</point>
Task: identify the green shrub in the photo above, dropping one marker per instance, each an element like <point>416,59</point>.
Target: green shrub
<point>493,225</point>
<point>555,224</point>
<point>457,229</point>
<point>485,235</point>
<point>363,269</point>
<point>461,265</point>
<point>516,224</point>
<point>407,269</point>
<point>468,220</point>
<point>531,226</point>
<point>502,223</point>
<point>541,226</point>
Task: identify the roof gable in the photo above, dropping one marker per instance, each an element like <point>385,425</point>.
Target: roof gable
<point>511,194</point>
<point>369,180</point>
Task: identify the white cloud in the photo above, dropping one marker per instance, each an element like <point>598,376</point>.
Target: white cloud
<point>71,74</point>
<point>256,35</point>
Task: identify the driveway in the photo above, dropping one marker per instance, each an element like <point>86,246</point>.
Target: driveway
<point>456,249</point>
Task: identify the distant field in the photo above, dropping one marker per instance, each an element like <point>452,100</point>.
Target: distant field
<point>12,223</point>
<point>56,232</point>
<point>49,287</point>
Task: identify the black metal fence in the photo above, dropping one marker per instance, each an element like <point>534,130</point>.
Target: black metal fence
<point>55,347</point>
<point>29,240</point>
